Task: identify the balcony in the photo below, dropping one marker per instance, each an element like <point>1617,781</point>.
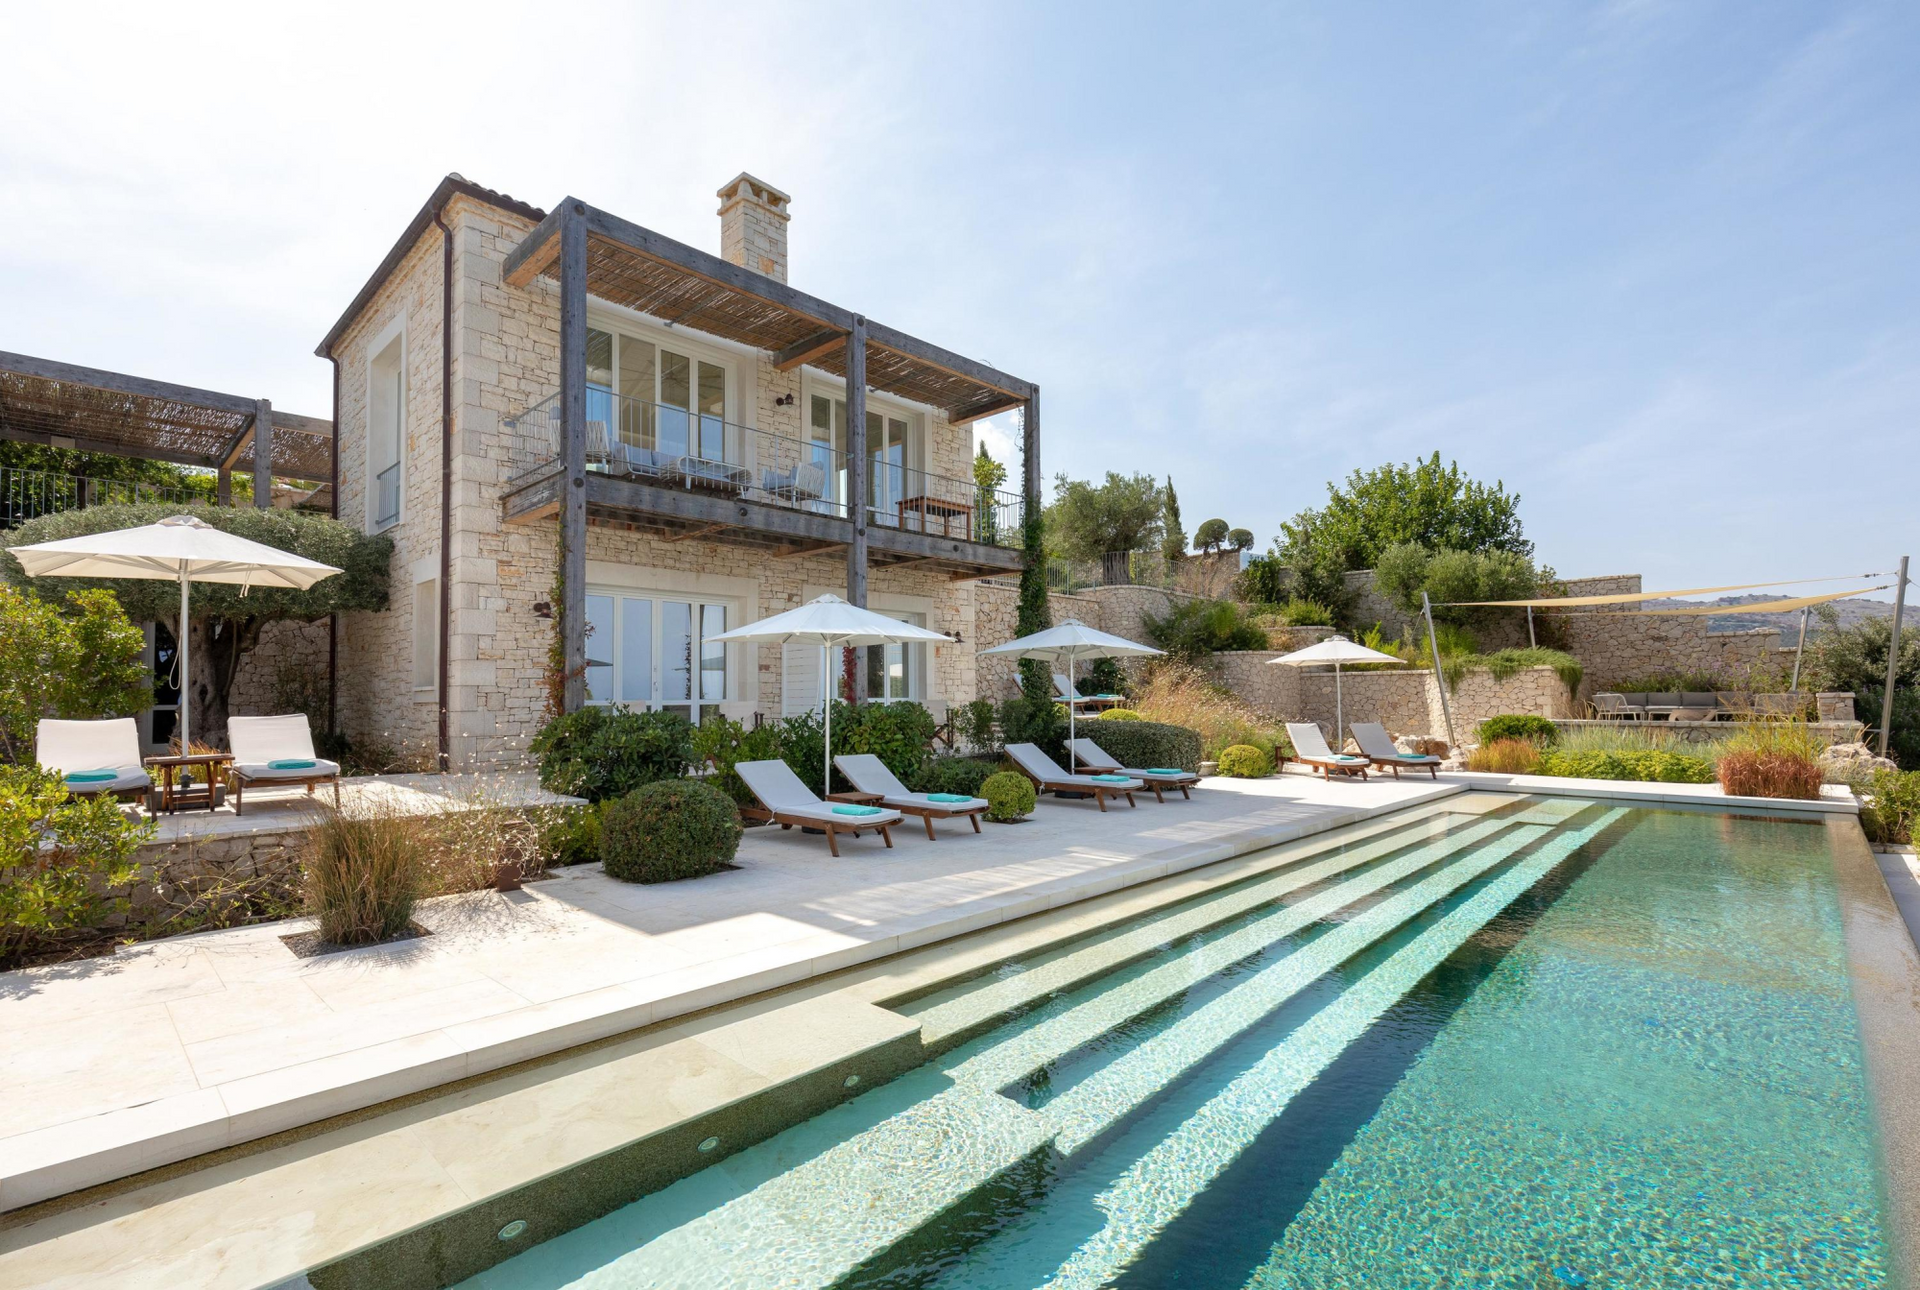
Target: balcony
<point>684,474</point>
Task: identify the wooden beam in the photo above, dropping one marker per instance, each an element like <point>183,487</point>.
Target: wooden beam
<point>993,409</point>
<point>79,443</point>
<point>294,422</point>
<point>120,383</point>
<point>263,454</point>
<point>789,552</point>
<point>697,533</point>
<point>237,445</point>
<point>947,361</point>
<point>805,351</point>
<point>573,451</point>
<point>537,251</point>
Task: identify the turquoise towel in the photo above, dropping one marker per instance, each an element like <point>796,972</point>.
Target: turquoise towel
<point>293,763</point>
<point>1164,770</point>
<point>1109,696</point>
<point>91,776</point>
<point>856,810</point>
<point>948,797</point>
<point>1112,779</point>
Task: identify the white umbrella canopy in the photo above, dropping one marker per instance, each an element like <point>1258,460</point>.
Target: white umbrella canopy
<point>1069,642</point>
<point>182,548</point>
<point>1337,650</point>
<point>831,623</point>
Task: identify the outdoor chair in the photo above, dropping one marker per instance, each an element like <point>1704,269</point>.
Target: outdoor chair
<point>1089,753</point>
<point>276,752</point>
<point>804,481</point>
<point>1310,748</point>
<point>1663,703</point>
<point>1379,749</point>
<point>1611,706</point>
<point>870,776</point>
<point>1064,693</point>
<point>1047,777</point>
<point>95,757</point>
<point>787,802</point>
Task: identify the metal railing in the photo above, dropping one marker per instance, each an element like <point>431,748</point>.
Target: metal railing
<point>387,495</point>
<point>683,448</point>
<point>29,494</point>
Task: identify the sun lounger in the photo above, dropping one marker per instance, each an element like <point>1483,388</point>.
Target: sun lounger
<point>1310,748</point>
<point>788,802</point>
<point>95,757</point>
<point>1089,753</point>
<point>276,752</point>
<point>1373,741</point>
<point>870,775</point>
<point>1047,777</point>
<point>1064,693</point>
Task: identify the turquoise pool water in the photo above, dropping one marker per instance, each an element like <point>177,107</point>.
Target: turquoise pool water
<point>1558,1044</point>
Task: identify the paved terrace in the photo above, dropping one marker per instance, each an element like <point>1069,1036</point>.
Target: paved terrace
<point>173,1048</point>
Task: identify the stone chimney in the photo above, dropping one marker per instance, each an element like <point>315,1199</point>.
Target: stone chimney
<point>753,225</point>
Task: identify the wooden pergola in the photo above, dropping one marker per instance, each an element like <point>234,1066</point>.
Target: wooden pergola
<point>86,409</point>
<point>589,252</point>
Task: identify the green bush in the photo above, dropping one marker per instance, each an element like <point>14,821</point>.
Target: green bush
<point>1023,721</point>
<point>1646,765</point>
<point>1146,744</point>
<point>1519,725</point>
<point>1104,676</point>
<point>1890,806</point>
<point>667,830</point>
<point>956,775</point>
<point>80,664</point>
<point>975,725</point>
<point>1196,628</point>
<point>1299,612</point>
<point>723,743</point>
<point>1243,761</point>
<point>62,859</point>
<point>600,753</point>
<point>570,834</point>
<point>1009,795</point>
<point>1121,714</point>
<point>899,733</point>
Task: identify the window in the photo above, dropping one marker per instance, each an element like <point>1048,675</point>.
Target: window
<point>656,652</point>
<point>893,451</point>
<point>657,398</point>
<point>426,634</point>
<point>896,671</point>
<point>386,432</point>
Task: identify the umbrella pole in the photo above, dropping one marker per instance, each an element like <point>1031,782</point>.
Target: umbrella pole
<point>826,738</point>
<point>186,688</point>
<point>1072,711</point>
<point>1339,711</point>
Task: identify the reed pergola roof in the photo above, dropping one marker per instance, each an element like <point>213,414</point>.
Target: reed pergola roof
<point>643,270</point>
<point>62,405</point>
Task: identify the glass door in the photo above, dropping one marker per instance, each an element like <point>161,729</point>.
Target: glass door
<point>896,671</point>
<point>655,653</point>
<point>671,403</point>
<point>887,469</point>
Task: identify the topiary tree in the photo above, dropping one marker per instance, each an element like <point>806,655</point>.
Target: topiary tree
<point>676,828</point>
<point>1239,539</point>
<point>1173,537</point>
<point>226,623</point>
<point>1010,796</point>
<point>1211,535</point>
<point>81,664</point>
<point>1243,761</point>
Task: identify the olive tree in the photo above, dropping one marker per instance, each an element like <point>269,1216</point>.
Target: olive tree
<point>226,619</point>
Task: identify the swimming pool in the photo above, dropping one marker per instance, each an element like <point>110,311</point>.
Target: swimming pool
<point>1529,1042</point>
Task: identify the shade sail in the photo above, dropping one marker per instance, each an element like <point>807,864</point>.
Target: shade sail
<point>1764,606</point>
<point>1635,597</point>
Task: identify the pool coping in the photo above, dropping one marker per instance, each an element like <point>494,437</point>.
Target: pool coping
<point>1883,967</point>
<point>1836,799</point>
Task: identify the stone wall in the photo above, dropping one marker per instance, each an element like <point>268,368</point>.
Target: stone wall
<point>169,876</point>
<point>1406,701</point>
<point>285,672</point>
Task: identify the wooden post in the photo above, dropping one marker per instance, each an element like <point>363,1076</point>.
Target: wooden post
<point>857,465</point>
<point>263,454</point>
<point>223,487</point>
<point>1030,447</point>
<point>573,453</point>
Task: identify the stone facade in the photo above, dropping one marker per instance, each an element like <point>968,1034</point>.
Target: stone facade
<point>506,359</point>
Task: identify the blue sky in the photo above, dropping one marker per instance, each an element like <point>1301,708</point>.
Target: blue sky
<point>1656,266</point>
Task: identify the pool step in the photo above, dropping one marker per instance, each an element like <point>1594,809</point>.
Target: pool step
<point>1032,1048</point>
<point>1093,1106</point>
<point>957,1013</point>
<point>1149,1195</point>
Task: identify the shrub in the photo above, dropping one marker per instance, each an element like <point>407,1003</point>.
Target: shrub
<point>1194,629</point>
<point>1105,676</point>
<point>1508,662</point>
<point>81,664</point>
<point>1646,765</point>
<point>1300,612</point>
<point>1855,658</point>
<point>723,743</point>
<point>1121,714</point>
<point>899,733</point>
<point>1147,744</point>
<point>1010,796</point>
<point>1751,774</point>
<point>956,775</point>
<point>1022,721</point>
<point>362,872</point>
<point>1516,725</point>
<point>571,834</point>
<point>1505,756</point>
<point>669,829</point>
<point>60,858</point>
<point>600,753</point>
<point>975,725</point>
<point>1243,761</point>
<point>1890,806</point>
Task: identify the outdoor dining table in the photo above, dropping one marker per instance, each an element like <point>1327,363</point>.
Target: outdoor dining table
<point>718,476</point>
<point>937,508</point>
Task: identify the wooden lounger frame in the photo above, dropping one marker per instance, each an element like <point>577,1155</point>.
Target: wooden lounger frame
<point>931,811</point>
<point>284,781</point>
<point>1101,792</point>
<point>1394,764</point>
<point>1328,767</point>
<point>831,828</point>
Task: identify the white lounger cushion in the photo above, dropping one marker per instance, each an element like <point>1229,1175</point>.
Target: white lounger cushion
<point>781,792</point>
<point>114,744</point>
<point>1373,741</point>
<point>1094,755</point>
<point>1042,767</point>
<point>869,774</point>
<point>320,769</point>
<point>1312,745</point>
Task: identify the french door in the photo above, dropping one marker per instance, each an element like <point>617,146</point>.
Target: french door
<point>669,402</point>
<point>657,653</point>
<point>892,451</point>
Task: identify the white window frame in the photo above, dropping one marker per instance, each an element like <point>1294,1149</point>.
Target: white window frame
<point>393,333</point>
<point>426,601</point>
<point>734,360</point>
<point>916,415</point>
<point>740,597</point>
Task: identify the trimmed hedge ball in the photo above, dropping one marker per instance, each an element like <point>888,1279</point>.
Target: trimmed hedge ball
<point>671,829</point>
<point>1244,761</point>
<point>1009,796</point>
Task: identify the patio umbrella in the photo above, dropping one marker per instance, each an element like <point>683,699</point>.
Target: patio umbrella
<point>1336,650</point>
<point>831,623</point>
<point>1069,642</point>
<point>179,547</point>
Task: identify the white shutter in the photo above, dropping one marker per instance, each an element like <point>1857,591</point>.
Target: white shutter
<point>799,679</point>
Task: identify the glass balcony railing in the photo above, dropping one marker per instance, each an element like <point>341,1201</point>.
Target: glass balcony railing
<point>683,448</point>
